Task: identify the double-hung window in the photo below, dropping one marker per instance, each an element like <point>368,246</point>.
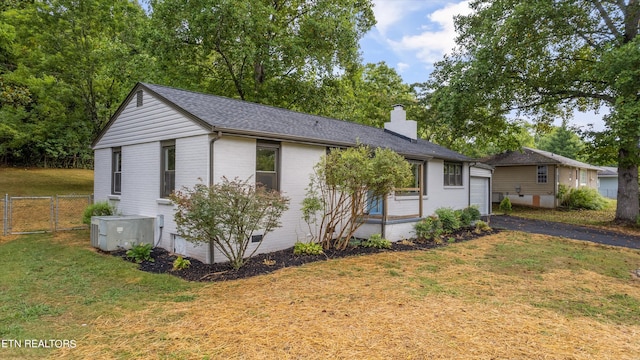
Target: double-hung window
<point>418,178</point>
<point>168,166</point>
<point>267,165</point>
<point>116,171</point>
<point>542,174</point>
<point>583,177</point>
<point>452,174</point>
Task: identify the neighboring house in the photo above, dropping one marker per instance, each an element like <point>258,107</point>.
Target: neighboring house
<point>532,177</point>
<point>162,138</point>
<point>608,181</point>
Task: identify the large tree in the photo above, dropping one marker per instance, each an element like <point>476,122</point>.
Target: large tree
<point>365,94</point>
<point>269,51</point>
<point>65,65</point>
<point>562,140</point>
<point>547,58</point>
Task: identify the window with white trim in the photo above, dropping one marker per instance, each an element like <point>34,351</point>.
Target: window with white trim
<point>417,168</point>
<point>542,174</point>
<point>452,174</point>
<point>583,177</point>
<point>168,166</point>
<point>116,171</point>
<point>267,165</point>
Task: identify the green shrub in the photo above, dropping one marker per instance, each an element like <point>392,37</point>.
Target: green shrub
<point>99,208</point>
<point>428,228</point>
<point>505,206</point>
<point>140,253</point>
<point>463,217</point>
<point>473,212</point>
<point>563,193</point>
<point>310,248</point>
<point>449,219</point>
<point>181,263</point>
<point>585,198</point>
<point>482,226</point>
<point>227,214</point>
<point>376,241</point>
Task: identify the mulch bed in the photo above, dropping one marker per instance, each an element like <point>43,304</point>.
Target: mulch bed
<point>266,263</point>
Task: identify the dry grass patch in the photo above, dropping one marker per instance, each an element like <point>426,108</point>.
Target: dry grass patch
<point>450,303</point>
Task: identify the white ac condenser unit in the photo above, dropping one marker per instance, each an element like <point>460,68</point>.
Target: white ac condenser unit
<point>109,233</point>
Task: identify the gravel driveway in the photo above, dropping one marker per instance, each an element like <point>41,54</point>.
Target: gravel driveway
<point>565,230</point>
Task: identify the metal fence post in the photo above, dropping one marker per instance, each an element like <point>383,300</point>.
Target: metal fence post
<point>5,215</point>
<point>52,215</point>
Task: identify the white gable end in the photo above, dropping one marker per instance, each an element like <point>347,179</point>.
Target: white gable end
<point>152,121</point>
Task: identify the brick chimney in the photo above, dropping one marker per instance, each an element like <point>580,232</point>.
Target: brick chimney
<point>399,124</point>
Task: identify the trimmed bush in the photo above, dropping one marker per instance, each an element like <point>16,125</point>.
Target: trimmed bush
<point>99,208</point>
<point>428,228</point>
<point>505,206</point>
<point>473,212</point>
<point>449,219</point>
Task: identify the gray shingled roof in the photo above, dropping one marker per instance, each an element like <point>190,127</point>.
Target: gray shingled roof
<point>608,171</point>
<point>529,156</point>
<point>241,117</point>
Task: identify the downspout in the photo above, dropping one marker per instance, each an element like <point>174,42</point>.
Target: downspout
<point>473,164</point>
<point>383,226</point>
<point>556,201</point>
<point>213,140</point>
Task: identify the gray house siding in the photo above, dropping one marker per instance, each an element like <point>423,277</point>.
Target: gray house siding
<point>153,121</point>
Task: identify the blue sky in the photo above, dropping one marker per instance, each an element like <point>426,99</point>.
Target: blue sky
<point>411,35</point>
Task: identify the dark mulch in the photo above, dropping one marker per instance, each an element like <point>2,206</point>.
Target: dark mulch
<point>269,262</point>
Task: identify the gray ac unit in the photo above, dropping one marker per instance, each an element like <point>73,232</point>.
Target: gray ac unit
<point>109,233</point>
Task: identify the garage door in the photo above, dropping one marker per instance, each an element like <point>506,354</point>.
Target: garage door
<point>479,195</point>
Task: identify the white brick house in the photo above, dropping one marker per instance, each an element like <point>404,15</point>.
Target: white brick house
<point>163,138</point>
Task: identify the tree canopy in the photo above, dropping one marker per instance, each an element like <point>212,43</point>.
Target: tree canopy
<point>543,60</point>
<point>273,52</point>
<point>562,140</point>
<point>64,68</point>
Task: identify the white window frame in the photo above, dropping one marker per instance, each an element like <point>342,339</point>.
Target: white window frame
<point>116,171</point>
<point>167,168</point>
<point>274,174</point>
<point>453,174</point>
<point>542,177</point>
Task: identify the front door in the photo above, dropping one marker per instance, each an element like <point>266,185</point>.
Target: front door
<point>374,204</point>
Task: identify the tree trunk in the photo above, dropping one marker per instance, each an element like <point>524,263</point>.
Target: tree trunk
<point>627,209</point>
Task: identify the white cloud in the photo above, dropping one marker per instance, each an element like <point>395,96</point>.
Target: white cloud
<point>388,13</point>
<point>431,45</point>
<point>402,67</point>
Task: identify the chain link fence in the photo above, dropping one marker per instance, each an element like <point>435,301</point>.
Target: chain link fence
<point>34,214</point>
